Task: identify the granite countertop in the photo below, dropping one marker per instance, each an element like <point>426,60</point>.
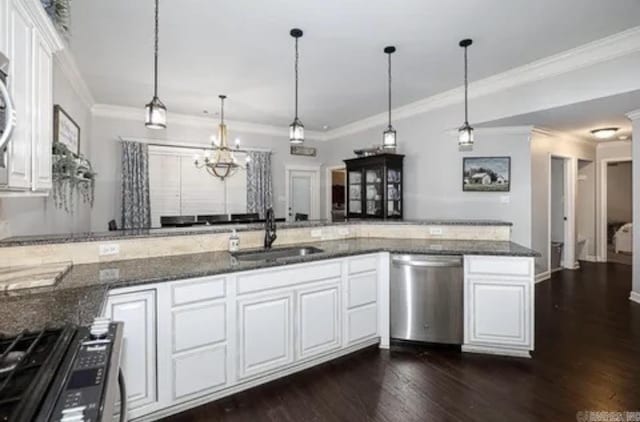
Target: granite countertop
<point>223,228</point>
<point>79,296</point>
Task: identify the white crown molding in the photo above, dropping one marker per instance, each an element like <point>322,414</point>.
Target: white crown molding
<point>137,114</point>
<point>634,115</point>
<point>497,130</point>
<point>67,63</point>
<point>43,24</point>
<point>608,48</point>
<point>182,143</point>
<point>550,133</point>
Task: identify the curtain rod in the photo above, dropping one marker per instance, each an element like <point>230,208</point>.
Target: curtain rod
<point>154,142</point>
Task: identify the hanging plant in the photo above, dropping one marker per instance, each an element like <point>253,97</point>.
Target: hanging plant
<point>59,12</point>
<point>72,175</point>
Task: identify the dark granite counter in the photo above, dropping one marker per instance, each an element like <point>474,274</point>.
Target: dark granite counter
<point>79,296</point>
<point>223,228</point>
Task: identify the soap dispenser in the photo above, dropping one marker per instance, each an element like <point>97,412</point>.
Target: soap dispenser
<point>234,241</point>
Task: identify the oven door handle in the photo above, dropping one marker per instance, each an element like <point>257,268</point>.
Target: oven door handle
<point>9,113</point>
<point>123,396</point>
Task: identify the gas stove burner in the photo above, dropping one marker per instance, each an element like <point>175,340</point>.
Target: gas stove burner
<point>10,361</point>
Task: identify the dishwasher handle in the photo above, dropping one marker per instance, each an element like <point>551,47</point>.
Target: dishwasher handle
<point>427,261</point>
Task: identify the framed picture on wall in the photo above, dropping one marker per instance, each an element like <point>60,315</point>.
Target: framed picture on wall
<point>486,174</point>
<point>65,129</point>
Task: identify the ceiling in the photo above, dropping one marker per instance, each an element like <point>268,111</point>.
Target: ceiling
<point>579,119</point>
<point>242,48</point>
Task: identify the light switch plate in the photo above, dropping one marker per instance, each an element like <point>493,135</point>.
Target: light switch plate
<point>109,249</point>
<point>109,274</point>
<point>436,231</point>
<point>316,233</point>
<point>343,231</point>
<point>505,199</point>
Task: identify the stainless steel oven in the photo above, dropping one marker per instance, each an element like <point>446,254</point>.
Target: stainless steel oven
<point>7,118</point>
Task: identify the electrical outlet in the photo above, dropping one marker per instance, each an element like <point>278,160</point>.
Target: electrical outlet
<point>505,199</point>
<point>343,231</point>
<point>109,274</point>
<point>436,231</point>
<point>316,233</point>
<point>109,249</point>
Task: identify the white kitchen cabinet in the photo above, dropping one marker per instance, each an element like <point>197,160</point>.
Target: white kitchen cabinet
<point>138,312</point>
<point>499,305</point>
<point>318,319</point>
<point>265,333</point>
<point>29,40</point>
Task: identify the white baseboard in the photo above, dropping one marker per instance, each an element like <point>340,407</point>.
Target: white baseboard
<point>634,296</point>
<point>501,351</point>
<point>591,258</point>
<point>543,276</point>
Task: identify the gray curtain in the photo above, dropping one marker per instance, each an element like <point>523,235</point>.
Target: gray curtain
<point>136,210</point>
<point>259,182</point>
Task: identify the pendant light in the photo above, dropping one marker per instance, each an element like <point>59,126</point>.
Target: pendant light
<point>156,112</point>
<point>389,135</point>
<point>465,133</point>
<point>296,129</point>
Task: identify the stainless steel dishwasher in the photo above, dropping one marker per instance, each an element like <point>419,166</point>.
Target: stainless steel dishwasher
<point>426,298</point>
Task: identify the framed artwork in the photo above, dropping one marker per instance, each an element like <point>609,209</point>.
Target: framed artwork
<point>486,174</point>
<point>65,129</point>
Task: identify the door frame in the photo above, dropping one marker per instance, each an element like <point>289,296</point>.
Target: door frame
<point>601,209</point>
<point>570,190</point>
<point>315,186</point>
<point>328,184</point>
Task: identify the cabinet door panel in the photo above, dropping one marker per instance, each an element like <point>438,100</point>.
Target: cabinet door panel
<point>44,105</point>
<point>199,372</point>
<point>265,329</point>
<point>318,320</point>
<point>21,86</point>
<point>138,312</point>
<point>362,323</point>
<point>498,312</point>
<point>363,289</point>
<point>198,326</point>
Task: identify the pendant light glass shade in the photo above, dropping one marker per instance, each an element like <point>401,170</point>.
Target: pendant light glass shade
<point>465,133</point>
<point>389,140</point>
<point>296,129</point>
<point>156,112</point>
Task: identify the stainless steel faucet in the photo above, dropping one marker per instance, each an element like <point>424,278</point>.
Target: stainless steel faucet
<point>269,229</point>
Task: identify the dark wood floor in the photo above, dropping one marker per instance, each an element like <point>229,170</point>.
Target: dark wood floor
<point>587,358</point>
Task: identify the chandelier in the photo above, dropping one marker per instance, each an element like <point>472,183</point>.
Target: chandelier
<point>220,161</point>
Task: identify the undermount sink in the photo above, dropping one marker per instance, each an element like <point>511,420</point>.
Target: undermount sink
<point>273,254</point>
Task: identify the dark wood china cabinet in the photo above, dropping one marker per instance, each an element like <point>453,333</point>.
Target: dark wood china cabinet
<point>375,187</point>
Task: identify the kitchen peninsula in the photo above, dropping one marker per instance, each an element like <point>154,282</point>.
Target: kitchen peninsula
<point>201,324</point>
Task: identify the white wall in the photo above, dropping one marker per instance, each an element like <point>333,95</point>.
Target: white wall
<point>543,146</point>
<point>557,200</point>
<point>619,193</point>
<point>106,158</point>
<point>636,207</point>
<point>31,216</point>
<point>586,209</point>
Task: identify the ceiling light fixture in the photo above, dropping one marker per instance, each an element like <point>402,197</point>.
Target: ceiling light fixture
<point>296,129</point>
<point>223,163</point>
<point>605,132</point>
<point>465,133</point>
<point>389,135</point>
<point>156,112</point>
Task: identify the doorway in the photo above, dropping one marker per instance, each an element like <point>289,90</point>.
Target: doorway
<point>302,193</point>
<point>558,217</point>
<point>617,211</point>
<point>336,193</point>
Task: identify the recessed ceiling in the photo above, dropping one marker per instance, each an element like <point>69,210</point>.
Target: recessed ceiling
<point>579,119</point>
<point>242,48</point>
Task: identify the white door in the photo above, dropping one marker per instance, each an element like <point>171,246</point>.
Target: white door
<point>265,334</point>
<point>138,312</point>
<point>302,194</point>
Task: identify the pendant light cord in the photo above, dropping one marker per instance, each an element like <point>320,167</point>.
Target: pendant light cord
<point>155,58</point>
<point>389,87</point>
<point>466,89</point>
<point>296,78</point>
<point>221,110</point>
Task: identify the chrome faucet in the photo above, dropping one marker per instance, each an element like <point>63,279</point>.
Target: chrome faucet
<point>269,229</point>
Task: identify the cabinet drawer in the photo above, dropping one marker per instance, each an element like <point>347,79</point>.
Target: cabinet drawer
<point>508,266</point>
<point>197,326</point>
<point>363,289</point>
<point>362,323</point>
<point>197,290</point>
<point>283,276</point>
<point>362,264</point>
<point>199,372</point>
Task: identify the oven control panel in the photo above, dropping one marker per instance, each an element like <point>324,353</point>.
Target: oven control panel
<point>83,394</point>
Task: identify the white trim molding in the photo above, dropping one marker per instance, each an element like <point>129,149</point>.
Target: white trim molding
<point>546,275</point>
<point>608,48</point>
<point>634,296</point>
<point>44,25</point>
<point>137,114</point>
<point>634,115</point>
<point>69,68</point>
